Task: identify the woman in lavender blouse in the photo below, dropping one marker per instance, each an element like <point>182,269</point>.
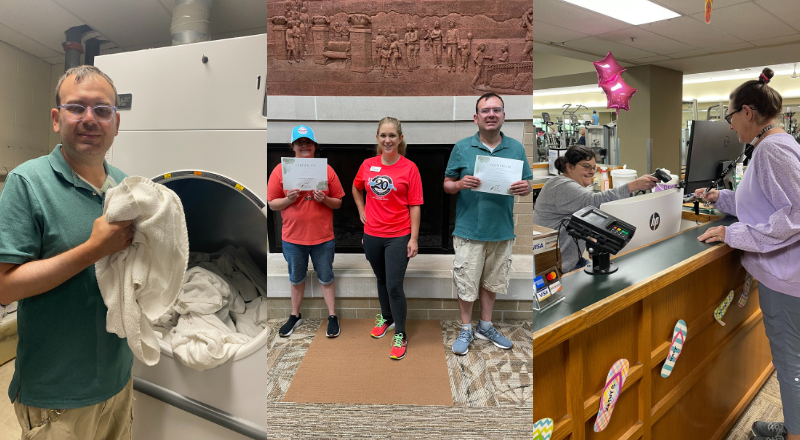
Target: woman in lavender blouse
<point>767,204</point>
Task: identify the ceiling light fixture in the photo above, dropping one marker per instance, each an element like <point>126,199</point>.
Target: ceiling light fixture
<point>634,12</point>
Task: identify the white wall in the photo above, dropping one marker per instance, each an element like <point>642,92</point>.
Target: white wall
<point>24,107</point>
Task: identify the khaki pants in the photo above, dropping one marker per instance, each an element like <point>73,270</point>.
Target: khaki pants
<point>109,420</point>
<point>481,264</point>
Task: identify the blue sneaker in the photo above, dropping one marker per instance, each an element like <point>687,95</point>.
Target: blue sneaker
<point>491,334</point>
<point>461,346</point>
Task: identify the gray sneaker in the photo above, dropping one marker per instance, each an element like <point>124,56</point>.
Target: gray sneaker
<point>768,429</point>
<point>461,346</point>
<point>491,334</point>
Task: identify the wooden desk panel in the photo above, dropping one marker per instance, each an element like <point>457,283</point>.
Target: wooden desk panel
<point>719,371</point>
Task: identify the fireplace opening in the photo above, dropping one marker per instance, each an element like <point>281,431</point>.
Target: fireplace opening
<point>438,211</point>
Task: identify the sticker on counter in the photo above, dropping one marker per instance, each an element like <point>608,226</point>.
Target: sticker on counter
<point>543,429</point>
<point>720,311</point>
<point>678,338</point>
<point>545,244</point>
<point>748,281</point>
<point>614,383</point>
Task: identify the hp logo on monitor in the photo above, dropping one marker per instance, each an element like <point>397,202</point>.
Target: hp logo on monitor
<point>655,220</point>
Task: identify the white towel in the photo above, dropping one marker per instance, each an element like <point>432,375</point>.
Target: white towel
<point>242,272</point>
<point>203,341</point>
<point>203,292</point>
<point>140,283</point>
<point>254,319</point>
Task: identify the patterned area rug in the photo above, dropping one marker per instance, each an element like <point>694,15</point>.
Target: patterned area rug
<point>766,407</point>
<point>491,390</point>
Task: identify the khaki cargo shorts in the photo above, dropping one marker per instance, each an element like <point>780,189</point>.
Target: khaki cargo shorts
<point>109,420</point>
<point>481,264</point>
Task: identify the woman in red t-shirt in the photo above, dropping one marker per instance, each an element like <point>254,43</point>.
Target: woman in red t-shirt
<point>307,230</point>
<point>391,225</point>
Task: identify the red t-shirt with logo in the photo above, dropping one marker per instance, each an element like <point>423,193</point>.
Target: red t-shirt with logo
<point>390,191</point>
<point>305,222</point>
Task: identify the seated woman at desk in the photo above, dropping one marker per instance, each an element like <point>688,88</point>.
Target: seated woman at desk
<point>768,231</point>
<point>563,195</point>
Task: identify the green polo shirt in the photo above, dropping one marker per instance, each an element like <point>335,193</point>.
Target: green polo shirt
<point>65,356</point>
<point>479,215</point>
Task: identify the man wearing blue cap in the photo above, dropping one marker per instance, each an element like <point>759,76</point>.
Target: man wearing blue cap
<point>307,231</point>
<point>595,118</point>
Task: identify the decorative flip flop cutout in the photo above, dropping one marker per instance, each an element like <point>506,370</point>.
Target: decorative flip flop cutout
<point>720,311</point>
<point>543,429</point>
<point>748,281</point>
<point>614,383</point>
<point>678,338</point>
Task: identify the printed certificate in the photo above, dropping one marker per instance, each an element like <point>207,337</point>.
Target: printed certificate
<point>304,174</point>
<point>497,174</point>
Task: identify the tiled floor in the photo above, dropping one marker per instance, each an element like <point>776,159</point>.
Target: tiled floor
<point>9,427</point>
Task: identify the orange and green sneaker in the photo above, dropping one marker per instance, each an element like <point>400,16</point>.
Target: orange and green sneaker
<point>381,326</point>
<point>399,345</point>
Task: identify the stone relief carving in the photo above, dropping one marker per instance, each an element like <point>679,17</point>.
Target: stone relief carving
<point>480,61</point>
<point>314,40</point>
<point>451,40</point>
<point>527,23</point>
<point>436,41</point>
<point>412,47</point>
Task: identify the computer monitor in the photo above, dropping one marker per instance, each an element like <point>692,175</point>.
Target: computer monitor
<point>710,142</point>
<point>656,215</point>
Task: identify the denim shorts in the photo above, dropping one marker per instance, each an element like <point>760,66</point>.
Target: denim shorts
<point>297,257</point>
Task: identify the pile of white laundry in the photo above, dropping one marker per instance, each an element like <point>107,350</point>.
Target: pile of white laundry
<point>220,307</point>
<point>205,310</point>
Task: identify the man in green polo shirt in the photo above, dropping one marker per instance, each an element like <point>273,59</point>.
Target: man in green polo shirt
<point>484,232</point>
<point>72,378</point>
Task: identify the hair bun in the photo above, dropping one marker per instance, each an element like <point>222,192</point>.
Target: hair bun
<point>766,75</point>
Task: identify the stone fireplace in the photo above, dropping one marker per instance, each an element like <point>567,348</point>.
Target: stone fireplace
<point>438,212</point>
<point>345,129</point>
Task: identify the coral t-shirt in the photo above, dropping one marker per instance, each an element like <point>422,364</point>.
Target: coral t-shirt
<point>305,222</point>
<point>391,189</point>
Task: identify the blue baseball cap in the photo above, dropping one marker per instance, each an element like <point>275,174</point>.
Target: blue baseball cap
<point>301,131</point>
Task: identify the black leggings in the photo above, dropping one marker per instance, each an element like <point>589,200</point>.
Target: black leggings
<point>389,259</point>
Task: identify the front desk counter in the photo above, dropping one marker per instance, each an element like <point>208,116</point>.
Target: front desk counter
<point>631,315</point>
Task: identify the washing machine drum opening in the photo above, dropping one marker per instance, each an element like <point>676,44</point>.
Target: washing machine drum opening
<point>220,213</point>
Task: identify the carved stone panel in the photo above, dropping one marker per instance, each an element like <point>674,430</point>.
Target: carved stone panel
<point>399,48</point>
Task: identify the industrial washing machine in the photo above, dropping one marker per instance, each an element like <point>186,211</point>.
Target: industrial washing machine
<point>193,119</point>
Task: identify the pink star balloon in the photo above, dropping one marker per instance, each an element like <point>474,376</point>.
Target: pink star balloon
<point>618,93</point>
<point>607,68</point>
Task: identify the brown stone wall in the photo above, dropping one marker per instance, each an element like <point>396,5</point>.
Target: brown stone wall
<point>334,52</point>
<point>523,206</point>
<point>367,308</point>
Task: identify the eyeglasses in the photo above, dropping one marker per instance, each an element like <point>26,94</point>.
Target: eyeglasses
<point>729,116</point>
<point>587,166</point>
<point>486,111</point>
<point>76,112</point>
